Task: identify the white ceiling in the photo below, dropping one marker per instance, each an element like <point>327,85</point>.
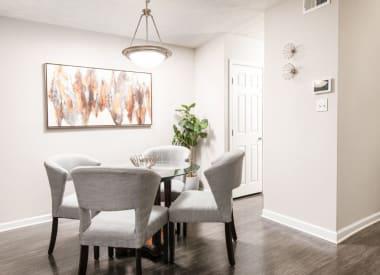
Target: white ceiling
<point>181,22</point>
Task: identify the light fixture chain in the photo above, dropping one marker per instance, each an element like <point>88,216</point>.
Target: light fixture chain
<point>155,26</point>
<point>137,28</point>
<point>147,28</point>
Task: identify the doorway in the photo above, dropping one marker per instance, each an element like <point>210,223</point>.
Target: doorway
<point>245,123</point>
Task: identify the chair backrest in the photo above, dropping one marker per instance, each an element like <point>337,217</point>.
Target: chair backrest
<point>70,161</point>
<point>223,176</point>
<point>170,155</point>
<point>58,169</point>
<point>116,189</point>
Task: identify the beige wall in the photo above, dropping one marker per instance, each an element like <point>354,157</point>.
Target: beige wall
<point>209,95</point>
<point>25,143</point>
<point>359,111</point>
<point>211,86</point>
<point>242,49</point>
<point>300,144</point>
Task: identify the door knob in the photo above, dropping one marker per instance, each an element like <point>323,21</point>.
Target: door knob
<point>259,138</point>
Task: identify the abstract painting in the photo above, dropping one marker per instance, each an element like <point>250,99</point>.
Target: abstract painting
<point>80,97</point>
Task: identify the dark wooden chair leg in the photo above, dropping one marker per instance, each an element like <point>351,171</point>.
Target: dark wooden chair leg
<point>110,252</point>
<point>178,228</point>
<point>166,244</point>
<point>83,260</point>
<point>184,225</point>
<point>230,250</point>
<point>234,235</point>
<point>96,252</point>
<point>171,243</point>
<point>53,237</point>
<point>138,262</point>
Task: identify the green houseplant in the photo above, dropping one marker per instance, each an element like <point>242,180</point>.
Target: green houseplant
<point>190,129</point>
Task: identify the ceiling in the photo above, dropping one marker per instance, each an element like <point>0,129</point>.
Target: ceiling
<point>187,23</point>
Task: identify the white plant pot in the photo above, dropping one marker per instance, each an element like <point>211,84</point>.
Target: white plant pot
<point>192,183</point>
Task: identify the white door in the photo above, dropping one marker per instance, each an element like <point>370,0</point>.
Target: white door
<point>246,123</point>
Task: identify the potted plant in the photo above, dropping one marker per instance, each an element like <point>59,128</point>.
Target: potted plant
<point>187,133</point>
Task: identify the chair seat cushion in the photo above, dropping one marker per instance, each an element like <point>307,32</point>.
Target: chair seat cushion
<point>69,208</point>
<point>117,228</point>
<point>195,206</point>
<point>177,187</point>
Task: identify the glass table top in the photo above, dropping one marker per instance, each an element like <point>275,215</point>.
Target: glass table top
<point>166,171</point>
<point>169,172</point>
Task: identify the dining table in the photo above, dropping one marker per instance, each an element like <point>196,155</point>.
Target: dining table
<point>154,249</point>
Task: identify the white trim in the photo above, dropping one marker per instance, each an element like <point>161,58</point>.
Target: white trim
<point>308,228</point>
<point>311,229</point>
<point>7,226</point>
<point>320,232</point>
<point>357,226</point>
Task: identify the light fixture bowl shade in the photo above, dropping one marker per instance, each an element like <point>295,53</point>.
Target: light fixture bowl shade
<point>147,56</point>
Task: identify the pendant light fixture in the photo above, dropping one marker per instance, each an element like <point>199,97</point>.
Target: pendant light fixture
<point>147,55</point>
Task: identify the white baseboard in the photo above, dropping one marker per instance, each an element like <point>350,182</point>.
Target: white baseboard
<point>320,232</point>
<point>308,228</point>
<point>355,227</point>
<point>24,222</point>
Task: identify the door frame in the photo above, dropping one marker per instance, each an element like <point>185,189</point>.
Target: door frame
<point>232,62</point>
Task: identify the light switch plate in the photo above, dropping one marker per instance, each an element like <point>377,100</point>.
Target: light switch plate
<point>322,104</point>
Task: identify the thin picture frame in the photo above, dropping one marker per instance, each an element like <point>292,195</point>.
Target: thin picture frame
<point>323,86</point>
<point>46,100</point>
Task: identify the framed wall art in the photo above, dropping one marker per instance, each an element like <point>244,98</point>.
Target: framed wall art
<point>322,86</point>
<point>81,97</point>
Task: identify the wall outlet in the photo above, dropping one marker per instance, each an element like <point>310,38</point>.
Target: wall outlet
<point>322,104</point>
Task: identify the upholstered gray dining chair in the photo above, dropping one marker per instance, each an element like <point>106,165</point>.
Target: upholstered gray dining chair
<point>173,156</point>
<point>58,170</point>
<point>223,176</point>
<point>125,197</point>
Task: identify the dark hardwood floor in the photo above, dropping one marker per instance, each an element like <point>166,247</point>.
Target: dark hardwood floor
<point>263,247</point>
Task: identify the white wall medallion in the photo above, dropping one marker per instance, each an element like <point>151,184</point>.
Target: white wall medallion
<point>289,51</point>
<point>312,5</point>
<point>289,71</point>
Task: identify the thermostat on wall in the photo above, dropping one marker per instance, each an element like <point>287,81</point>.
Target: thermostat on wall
<point>322,86</point>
